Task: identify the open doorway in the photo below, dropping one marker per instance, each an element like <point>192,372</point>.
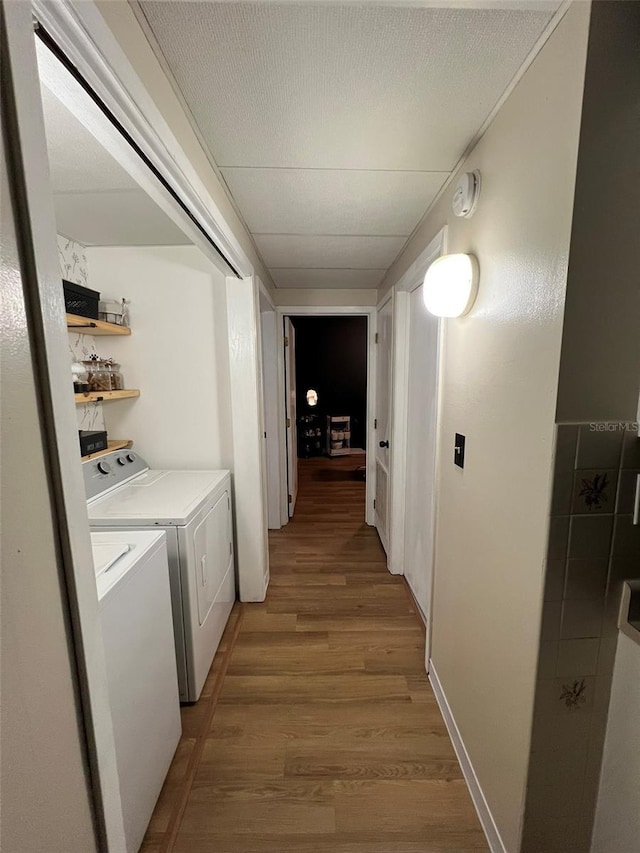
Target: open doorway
<point>326,381</point>
<point>325,363</point>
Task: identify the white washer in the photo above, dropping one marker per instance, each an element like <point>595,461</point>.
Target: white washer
<point>132,578</point>
<point>194,510</point>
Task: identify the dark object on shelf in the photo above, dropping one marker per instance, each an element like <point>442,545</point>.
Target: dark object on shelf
<point>361,472</point>
<point>92,441</point>
<point>310,436</point>
<point>80,300</point>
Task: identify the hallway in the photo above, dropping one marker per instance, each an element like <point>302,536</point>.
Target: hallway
<point>317,729</point>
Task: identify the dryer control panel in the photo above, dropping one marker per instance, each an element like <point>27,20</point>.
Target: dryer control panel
<point>111,470</point>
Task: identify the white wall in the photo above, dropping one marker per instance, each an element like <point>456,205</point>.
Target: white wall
<point>177,354</point>
<point>617,825</point>
<point>499,385</point>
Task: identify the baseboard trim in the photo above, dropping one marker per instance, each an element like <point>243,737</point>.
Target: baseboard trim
<point>422,619</point>
<point>494,840</point>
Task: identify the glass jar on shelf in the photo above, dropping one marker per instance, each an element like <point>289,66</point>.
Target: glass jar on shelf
<point>117,382</point>
<point>99,375</point>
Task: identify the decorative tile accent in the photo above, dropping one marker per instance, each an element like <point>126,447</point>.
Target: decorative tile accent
<point>593,546</point>
<point>564,696</point>
<point>594,491</point>
<point>576,694</point>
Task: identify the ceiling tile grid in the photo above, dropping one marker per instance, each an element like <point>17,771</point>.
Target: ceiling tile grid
<point>331,252</point>
<point>331,201</point>
<point>339,119</point>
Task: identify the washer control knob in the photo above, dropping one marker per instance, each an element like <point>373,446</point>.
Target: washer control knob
<point>131,457</point>
<point>121,460</point>
<point>104,467</point>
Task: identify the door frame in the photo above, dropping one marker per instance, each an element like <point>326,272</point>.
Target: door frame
<point>368,311</point>
<point>270,407</point>
<point>291,412</point>
<point>390,296</point>
<point>399,462</point>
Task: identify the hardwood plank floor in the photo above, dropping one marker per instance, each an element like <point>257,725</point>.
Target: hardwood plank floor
<point>318,731</point>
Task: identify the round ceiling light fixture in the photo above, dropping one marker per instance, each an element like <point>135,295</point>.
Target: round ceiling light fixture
<point>312,397</point>
<point>451,285</point>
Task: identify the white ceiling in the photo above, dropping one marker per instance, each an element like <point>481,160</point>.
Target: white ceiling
<point>340,120</point>
<point>96,201</point>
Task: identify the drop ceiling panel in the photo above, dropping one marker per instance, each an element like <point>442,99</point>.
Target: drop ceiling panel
<point>353,86</point>
<point>121,218</point>
<point>330,279</point>
<point>287,250</point>
<point>319,201</point>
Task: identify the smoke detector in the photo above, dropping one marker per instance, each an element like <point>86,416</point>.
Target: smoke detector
<point>465,197</point>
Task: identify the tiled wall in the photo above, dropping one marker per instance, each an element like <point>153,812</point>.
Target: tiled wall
<point>73,267</point>
<point>593,546</point>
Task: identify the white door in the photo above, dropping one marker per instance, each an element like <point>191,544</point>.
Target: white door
<point>383,421</point>
<point>290,401</point>
<point>421,449</point>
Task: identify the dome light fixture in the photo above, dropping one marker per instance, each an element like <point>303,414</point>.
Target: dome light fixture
<point>451,285</point>
<point>312,397</point>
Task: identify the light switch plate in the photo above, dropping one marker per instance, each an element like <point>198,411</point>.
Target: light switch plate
<point>458,453</point>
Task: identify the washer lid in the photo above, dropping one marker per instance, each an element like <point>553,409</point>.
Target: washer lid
<point>157,497</point>
<point>115,553</point>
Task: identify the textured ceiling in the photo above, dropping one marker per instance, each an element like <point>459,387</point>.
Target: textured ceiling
<point>96,201</point>
<point>339,119</point>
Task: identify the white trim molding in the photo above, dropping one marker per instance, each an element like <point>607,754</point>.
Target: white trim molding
<point>401,291</point>
<point>370,312</point>
<point>496,845</point>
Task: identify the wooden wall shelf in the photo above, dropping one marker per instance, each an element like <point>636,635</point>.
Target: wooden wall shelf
<point>104,396</point>
<point>121,444</point>
<point>89,326</point>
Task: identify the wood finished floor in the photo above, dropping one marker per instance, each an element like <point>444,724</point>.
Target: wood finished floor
<point>317,731</point>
